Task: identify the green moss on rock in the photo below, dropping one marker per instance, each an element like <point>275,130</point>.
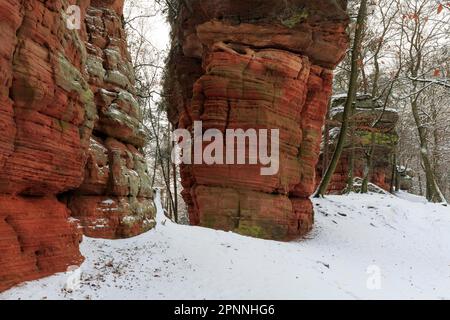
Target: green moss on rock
<point>381,138</point>
<point>294,19</point>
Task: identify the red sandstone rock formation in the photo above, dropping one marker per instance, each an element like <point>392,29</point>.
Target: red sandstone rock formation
<point>115,198</point>
<point>265,65</point>
<point>358,144</point>
<point>70,131</point>
<point>47,114</point>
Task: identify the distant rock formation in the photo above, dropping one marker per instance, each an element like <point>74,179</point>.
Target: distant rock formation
<point>71,136</point>
<point>367,112</point>
<point>261,65</point>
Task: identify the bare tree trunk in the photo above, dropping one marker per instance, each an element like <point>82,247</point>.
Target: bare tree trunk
<point>326,141</point>
<point>349,103</point>
<point>155,165</point>
<point>166,176</point>
<point>420,184</point>
<point>433,193</point>
<point>175,193</point>
<point>351,162</point>
<point>154,173</point>
<point>394,175</point>
<point>386,21</point>
<point>417,44</point>
<point>169,175</point>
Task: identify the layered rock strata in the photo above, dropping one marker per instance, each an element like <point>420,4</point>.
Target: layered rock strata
<point>68,119</point>
<point>115,198</point>
<point>255,65</point>
<point>373,126</point>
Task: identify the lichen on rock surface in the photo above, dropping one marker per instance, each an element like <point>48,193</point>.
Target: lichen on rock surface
<point>45,129</point>
<point>116,170</point>
<point>58,138</point>
<point>265,65</point>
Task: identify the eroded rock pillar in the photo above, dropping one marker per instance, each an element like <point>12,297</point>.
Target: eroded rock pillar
<point>246,65</point>
<point>71,137</point>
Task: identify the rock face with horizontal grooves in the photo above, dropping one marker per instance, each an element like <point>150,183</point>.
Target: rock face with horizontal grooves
<point>115,198</point>
<point>70,138</point>
<point>367,113</point>
<point>255,65</point>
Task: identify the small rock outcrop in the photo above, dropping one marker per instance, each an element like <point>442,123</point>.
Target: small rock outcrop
<point>372,125</point>
<point>255,65</point>
<point>71,136</point>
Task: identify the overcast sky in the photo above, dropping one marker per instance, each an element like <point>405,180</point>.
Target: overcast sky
<point>156,28</point>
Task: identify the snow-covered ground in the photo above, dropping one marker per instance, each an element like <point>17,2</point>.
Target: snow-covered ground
<point>362,247</point>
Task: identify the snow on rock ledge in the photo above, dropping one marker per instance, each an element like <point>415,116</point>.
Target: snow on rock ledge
<point>262,65</point>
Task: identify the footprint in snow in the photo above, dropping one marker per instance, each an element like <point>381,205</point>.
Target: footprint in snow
<point>324,264</point>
